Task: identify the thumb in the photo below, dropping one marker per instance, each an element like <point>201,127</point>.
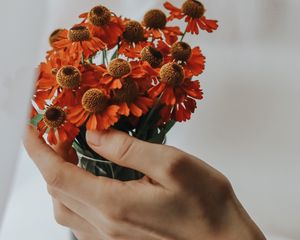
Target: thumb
<point>124,150</point>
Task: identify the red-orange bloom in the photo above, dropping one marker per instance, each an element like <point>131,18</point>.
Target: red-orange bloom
<point>131,99</point>
<point>78,42</point>
<point>133,39</point>
<point>192,60</point>
<point>64,82</point>
<point>55,124</point>
<point>179,112</point>
<point>119,69</point>
<point>176,92</point>
<point>193,12</point>
<point>54,37</point>
<point>155,23</point>
<point>104,25</point>
<point>95,111</point>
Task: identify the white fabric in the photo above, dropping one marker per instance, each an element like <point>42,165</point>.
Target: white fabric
<point>247,126</point>
<point>20,34</point>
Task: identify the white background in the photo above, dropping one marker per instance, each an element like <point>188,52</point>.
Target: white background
<point>247,126</point>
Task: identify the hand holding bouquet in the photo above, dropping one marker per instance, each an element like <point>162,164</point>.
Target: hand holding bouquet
<point>109,71</point>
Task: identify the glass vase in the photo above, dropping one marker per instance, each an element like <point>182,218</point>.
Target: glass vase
<point>102,167</point>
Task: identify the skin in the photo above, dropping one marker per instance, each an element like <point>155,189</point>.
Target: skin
<point>181,197</point>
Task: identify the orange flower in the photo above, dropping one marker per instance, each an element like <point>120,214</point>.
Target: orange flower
<point>193,12</point>
<point>131,99</point>
<point>179,112</point>
<point>192,60</point>
<point>65,82</point>
<point>56,36</point>
<point>40,98</point>
<point>119,69</point>
<point>78,42</point>
<point>176,92</point>
<point>55,124</point>
<point>95,111</point>
<point>104,25</point>
<point>155,22</point>
<point>133,39</point>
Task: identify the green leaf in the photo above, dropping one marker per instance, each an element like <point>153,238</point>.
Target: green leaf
<point>115,55</point>
<point>35,120</point>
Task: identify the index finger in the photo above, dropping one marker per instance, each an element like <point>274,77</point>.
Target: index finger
<point>67,177</point>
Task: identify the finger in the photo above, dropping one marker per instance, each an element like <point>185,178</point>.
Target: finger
<point>92,216</point>
<point>84,236</point>
<point>65,176</point>
<point>67,218</point>
<point>66,151</point>
<point>154,160</point>
<point>107,226</point>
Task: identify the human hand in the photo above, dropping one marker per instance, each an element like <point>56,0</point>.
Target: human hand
<point>181,197</point>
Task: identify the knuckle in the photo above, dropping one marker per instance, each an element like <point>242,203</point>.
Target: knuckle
<point>53,193</point>
<point>177,163</point>
<point>224,188</point>
<point>54,178</point>
<point>117,214</point>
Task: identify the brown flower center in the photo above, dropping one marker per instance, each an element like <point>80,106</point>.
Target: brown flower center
<point>152,56</point>
<point>99,16</point>
<point>193,8</point>
<point>134,32</point>
<point>172,74</point>
<point>118,68</point>
<point>54,117</point>
<point>79,34</point>
<point>94,101</point>
<point>54,37</point>
<point>155,19</point>
<point>181,51</point>
<point>68,77</point>
<point>128,93</point>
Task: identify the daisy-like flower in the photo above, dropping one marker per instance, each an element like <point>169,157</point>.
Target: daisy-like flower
<point>191,59</point>
<point>119,69</point>
<point>54,37</point>
<point>55,124</point>
<point>152,56</point>
<point>131,99</point>
<point>65,82</point>
<point>104,25</point>
<point>95,110</point>
<point>78,42</point>
<point>155,22</point>
<point>193,11</point>
<point>133,39</point>
<point>176,91</point>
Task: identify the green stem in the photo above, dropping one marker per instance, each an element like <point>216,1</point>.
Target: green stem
<point>145,126</point>
<point>106,58</point>
<point>116,53</point>
<point>183,35</point>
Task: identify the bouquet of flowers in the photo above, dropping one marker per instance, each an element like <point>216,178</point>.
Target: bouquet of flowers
<point>107,71</point>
